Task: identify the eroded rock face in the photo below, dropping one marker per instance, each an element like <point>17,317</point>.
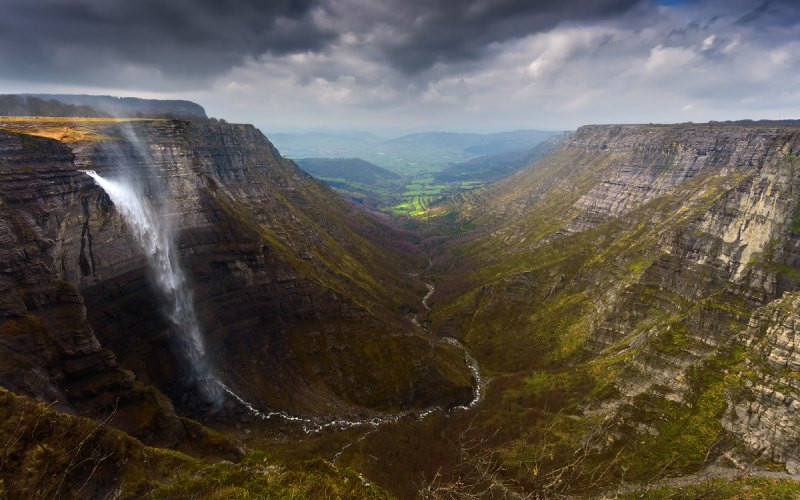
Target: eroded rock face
<point>48,348</point>
<point>740,249</point>
<point>646,250</point>
<point>299,310</point>
<point>692,305</point>
<point>650,161</point>
<point>767,414</point>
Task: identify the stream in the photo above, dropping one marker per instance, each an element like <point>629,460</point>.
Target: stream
<point>312,426</point>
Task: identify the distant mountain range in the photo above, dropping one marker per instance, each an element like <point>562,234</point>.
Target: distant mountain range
<point>410,154</point>
<point>349,169</point>
<point>491,167</point>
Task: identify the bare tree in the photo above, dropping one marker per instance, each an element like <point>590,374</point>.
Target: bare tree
<point>480,473</point>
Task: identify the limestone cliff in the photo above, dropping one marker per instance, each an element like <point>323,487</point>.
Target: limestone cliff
<point>300,311</point>
<point>650,260</point>
<point>48,347</point>
<point>765,416</point>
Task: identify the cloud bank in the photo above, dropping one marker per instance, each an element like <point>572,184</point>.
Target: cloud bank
<point>455,64</point>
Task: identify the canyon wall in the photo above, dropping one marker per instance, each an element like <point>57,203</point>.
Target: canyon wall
<point>661,261</point>
<point>299,310</point>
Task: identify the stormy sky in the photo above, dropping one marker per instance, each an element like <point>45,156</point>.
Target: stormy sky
<point>382,65</point>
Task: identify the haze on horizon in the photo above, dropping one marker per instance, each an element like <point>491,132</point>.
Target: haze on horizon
<point>482,65</point>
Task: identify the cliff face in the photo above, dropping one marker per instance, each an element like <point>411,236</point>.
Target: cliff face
<point>649,162</point>
<point>299,310</point>
<point>604,171</point>
<point>47,346</point>
<point>652,260</point>
<point>767,415</point>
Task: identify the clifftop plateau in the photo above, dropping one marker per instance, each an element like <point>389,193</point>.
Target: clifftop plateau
<point>72,105</point>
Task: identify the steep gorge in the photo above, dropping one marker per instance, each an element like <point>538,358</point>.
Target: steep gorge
<point>299,309</point>
<point>631,283</point>
<point>631,299</point>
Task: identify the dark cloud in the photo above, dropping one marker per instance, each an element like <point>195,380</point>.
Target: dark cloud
<point>772,12</point>
<point>82,40</point>
<point>447,62</point>
<point>457,30</point>
<point>754,14</point>
<point>158,44</point>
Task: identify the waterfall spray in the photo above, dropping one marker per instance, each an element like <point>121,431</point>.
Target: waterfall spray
<point>154,235</point>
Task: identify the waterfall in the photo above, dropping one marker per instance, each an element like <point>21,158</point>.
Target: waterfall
<point>155,237</point>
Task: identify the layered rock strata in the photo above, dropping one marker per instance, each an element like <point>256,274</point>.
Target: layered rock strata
<point>299,310</point>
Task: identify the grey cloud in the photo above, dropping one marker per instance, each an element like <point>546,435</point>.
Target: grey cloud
<point>180,42</point>
<point>772,12</point>
<point>754,14</point>
<point>487,63</point>
<point>81,40</point>
<point>448,31</point>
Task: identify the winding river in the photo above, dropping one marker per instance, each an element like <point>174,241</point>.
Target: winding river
<point>312,426</point>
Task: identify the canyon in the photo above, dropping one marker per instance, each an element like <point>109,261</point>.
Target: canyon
<point>620,313</point>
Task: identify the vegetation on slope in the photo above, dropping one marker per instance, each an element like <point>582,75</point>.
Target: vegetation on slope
<point>613,357</point>
<point>351,170</point>
<point>47,454</point>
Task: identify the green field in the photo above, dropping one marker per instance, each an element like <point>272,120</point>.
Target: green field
<point>418,195</point>
<point>409,196</point>
<point>408,175</point>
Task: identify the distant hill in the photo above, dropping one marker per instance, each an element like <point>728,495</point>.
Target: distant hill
<point>323,144</point>
<point>96,106</point>
<point>489,168</point>
<point>474,144</point>
<point>410,154</point>
<point>20,105</point>
<point>349,169</point>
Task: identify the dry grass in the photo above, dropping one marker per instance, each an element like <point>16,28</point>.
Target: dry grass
<point>64,129</point>
<point>63,134</point>
<point>70,119</point>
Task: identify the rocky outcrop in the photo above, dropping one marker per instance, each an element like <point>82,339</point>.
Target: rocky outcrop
<point>766,415</point>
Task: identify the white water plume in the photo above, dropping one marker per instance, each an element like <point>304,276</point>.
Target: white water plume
<point>155,237</point>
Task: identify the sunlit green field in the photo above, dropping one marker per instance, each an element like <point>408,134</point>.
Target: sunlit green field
<point>412,195</point>
<point>418,196</point>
